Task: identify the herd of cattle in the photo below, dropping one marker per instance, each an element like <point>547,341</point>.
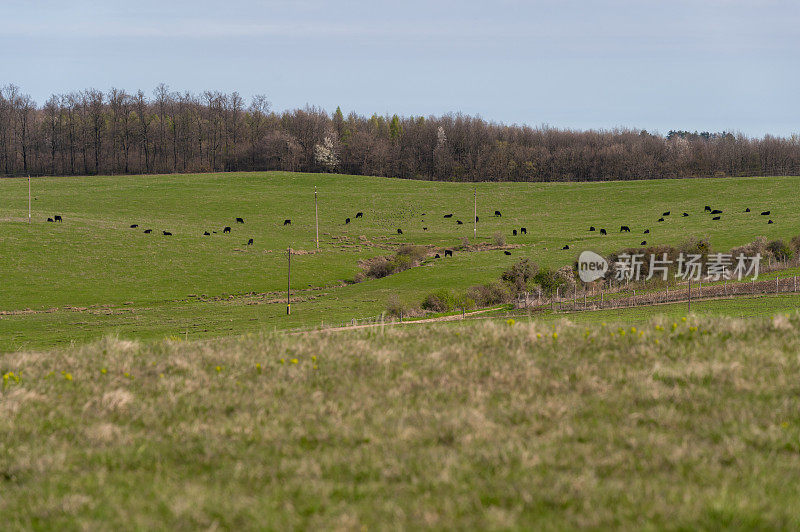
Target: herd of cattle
<point>715,213</point>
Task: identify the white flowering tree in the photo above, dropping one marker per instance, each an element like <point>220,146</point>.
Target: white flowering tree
<point>325,154</point>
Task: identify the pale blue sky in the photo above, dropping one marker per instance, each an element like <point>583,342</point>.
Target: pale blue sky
<point>657,65</point>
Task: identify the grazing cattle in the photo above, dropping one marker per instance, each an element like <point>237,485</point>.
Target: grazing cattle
<point>603,232</point>
<point>644,243</point>
<point>448,215</point>
<point>708,209</point>
<point>361,215</point>
<point>287,222</point>
<point>58,218</point>
<point>523,230</point>
<point>666,213</point>
<point>747,209</point>
<point>769,222</point>
<point>226,230</point>
<point>716,217</point>
<point>239,220</point>
<point>514,232</point>
<point>448,253</point>
<point>459,222</point>
<point>166,233</point>
<point>685,214</point>
<point>661,219</point>
<point>765,213</point>
<point>477,219</point>
<point>134,226</point>
<point>497,213</point>
<point>49,219</point>
<point>592,228</point>
<point>148,231</point>
<point>646,231</point>
<point>424,228</point>
<point>346,221</point>
<point>716,211</point>
<point>437,256</point>
<point>206,233</point>
<point>399,231</point>
<point>624,228</point>
<point>507,252</point>
<point>566,247</point>
<point>250,242</point>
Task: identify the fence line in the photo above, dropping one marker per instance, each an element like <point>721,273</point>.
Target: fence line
<point>592,300</point>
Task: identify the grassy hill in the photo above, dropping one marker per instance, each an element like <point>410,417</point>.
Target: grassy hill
<point>688,425</point>
<point>93,274</point>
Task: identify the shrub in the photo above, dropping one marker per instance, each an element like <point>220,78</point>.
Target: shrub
<point>484,295</point>
<point>499,239</point>
<point>548,280</point>
<point>780,250</point>
<point>795,245</point>
<point>395,307</point>
<point>518,275</point>
<point>442,300</point>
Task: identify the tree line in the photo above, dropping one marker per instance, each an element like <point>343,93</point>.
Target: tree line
<point>116,132</point>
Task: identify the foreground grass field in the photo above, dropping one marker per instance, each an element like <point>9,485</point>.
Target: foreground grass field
<point>94,275</point>
<point>674,425</point>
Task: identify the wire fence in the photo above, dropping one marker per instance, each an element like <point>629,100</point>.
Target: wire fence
<point>581,299</point>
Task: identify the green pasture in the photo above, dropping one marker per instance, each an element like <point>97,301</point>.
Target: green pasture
<point>93,274</point>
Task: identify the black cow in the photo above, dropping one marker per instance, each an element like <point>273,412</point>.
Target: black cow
<point>685,214</point>
<point>346,221</point>
<point>477,219</point>
<point>459,222</point>
<point>206,233</point>
<point>592,228</point>
<point>497,213</point>
<point>250,242</point>
<point>134,226</point>
<point>239,220</point>
<point>765,213</point>
<point>437,256</point>
<point>661,219</point>
<point>361,215</point>
<point>424,228</point>
<point>148,231</point>
<point>448,253</point>
<point>624,228</point>
<point>58,218</point>
<point>769,222</point>
<point>747,209</point>
<point>644,243</point>
<point>448,215</point>
<point>166,233</point>
<point>287,222</point>
<point>507,252</point>
<point>226,230</point>
<point>716,217</point>
<point>566,247</point>
<point>716,211</point>
<point>666,213</point>
<point>603,232</point>
<point>514,232</point>
<point>399,231</point>
<point>708,209</point>
<point>523,231</point>
<point>49,219</point>
<point>646,231</point>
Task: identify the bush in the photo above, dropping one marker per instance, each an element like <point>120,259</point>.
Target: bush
<point>485,295</point>
<point>395,307</point>
<point>795,245</point>
<point>442,300</point>
<point>519,275</point>
<point>780,250</point>
<point>548,280</point>
<point>499,239</point>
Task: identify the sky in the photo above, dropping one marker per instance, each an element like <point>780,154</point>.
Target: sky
<point>705,65</point>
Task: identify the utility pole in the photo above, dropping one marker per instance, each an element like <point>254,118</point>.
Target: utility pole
<point>29,198</point>
<point>289,283</point>
<point>475,215</point>
<point>316,215</point>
